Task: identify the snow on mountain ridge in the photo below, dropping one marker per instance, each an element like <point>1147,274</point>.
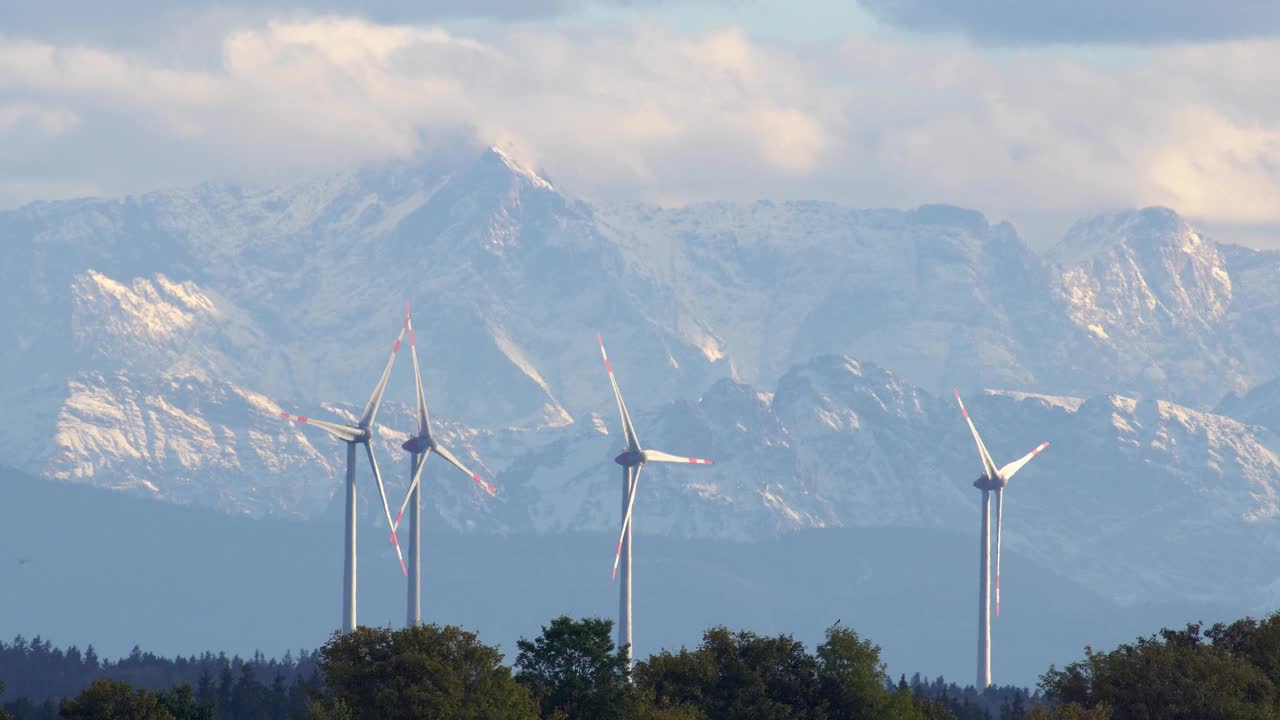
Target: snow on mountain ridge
<point>1138,271</point>
<point>175,321</point>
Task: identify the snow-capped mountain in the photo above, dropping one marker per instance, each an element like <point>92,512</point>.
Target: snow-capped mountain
<point>805,346</point>
<point>1169,313</point>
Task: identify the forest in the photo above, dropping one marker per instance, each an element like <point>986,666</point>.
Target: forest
<point>572,669</point>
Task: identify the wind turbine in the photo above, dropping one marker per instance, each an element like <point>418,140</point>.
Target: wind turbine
<point>358,434</point>
<point>992,480</point>
<point>420,446</point>
<point>632,459</point>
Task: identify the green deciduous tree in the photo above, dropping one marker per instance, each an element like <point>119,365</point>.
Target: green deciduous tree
<point>114,700</point>
<point>741,675</point>
<point>182,704</point>
<point>735,675</point>
<point>573,669</point>
<point>425,671</point>
<point>851,679</point>
<point>1174,675</point>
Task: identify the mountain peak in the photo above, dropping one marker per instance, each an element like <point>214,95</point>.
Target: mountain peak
<point>507,157</point>
<point>1143,229</point>
<point>1145,275</point>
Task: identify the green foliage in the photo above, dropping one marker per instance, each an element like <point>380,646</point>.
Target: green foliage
<point>741,675</point>
<point>181,703</point>
<point>852,679</point>
<point>573,668</point>
<point>1070,711</point>
<point>1256,642</point>
<point>328,709</point>
<point>114,700</point>
<point>1174,675</point>
<point>642,705</point>
<point>4,714</point>
<point>735,675</point>
<point>422,672</point>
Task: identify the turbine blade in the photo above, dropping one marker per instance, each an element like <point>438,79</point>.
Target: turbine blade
<point>633,480</point>
<point>424,419</point>
<point>342,432</point>
<point>420,461</point>
<point>628,430</point>
<point>999,523</point>
<point>1008,471</point>
<point>382,492</point>
<point>988,466</point>
<point>659,456</point>
<point>375,399</point>
<point>442,452</point>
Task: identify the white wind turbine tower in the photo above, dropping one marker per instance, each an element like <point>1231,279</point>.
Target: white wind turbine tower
<point>632,459</point>
<point>992,480</point>
<point>420,446</point>
<point>359,434</point>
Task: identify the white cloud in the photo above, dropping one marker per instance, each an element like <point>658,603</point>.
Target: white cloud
<point>25,117</point>
<point>645,112</point>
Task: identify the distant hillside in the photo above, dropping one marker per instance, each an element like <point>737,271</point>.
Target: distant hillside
<point>88,566</point>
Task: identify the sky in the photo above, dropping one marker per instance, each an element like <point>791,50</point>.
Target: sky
<point>1038,113</point>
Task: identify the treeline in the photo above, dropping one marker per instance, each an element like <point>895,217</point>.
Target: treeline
<point>573,670</point>
<point>1003,702</point>
<point>37,676</point>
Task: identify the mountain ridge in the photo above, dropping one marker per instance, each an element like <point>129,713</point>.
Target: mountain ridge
<point>807,347</point>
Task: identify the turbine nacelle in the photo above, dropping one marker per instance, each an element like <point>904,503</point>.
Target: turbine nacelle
<point>417,444</point>
<point>986,483</point>
<point>629,458</point>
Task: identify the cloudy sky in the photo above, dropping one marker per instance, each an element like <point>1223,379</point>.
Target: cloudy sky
<point>1028,113</point>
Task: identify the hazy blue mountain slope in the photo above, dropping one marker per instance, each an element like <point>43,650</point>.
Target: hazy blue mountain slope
<point>117,571</point>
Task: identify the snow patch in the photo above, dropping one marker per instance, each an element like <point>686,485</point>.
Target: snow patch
<point>520,169</point>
